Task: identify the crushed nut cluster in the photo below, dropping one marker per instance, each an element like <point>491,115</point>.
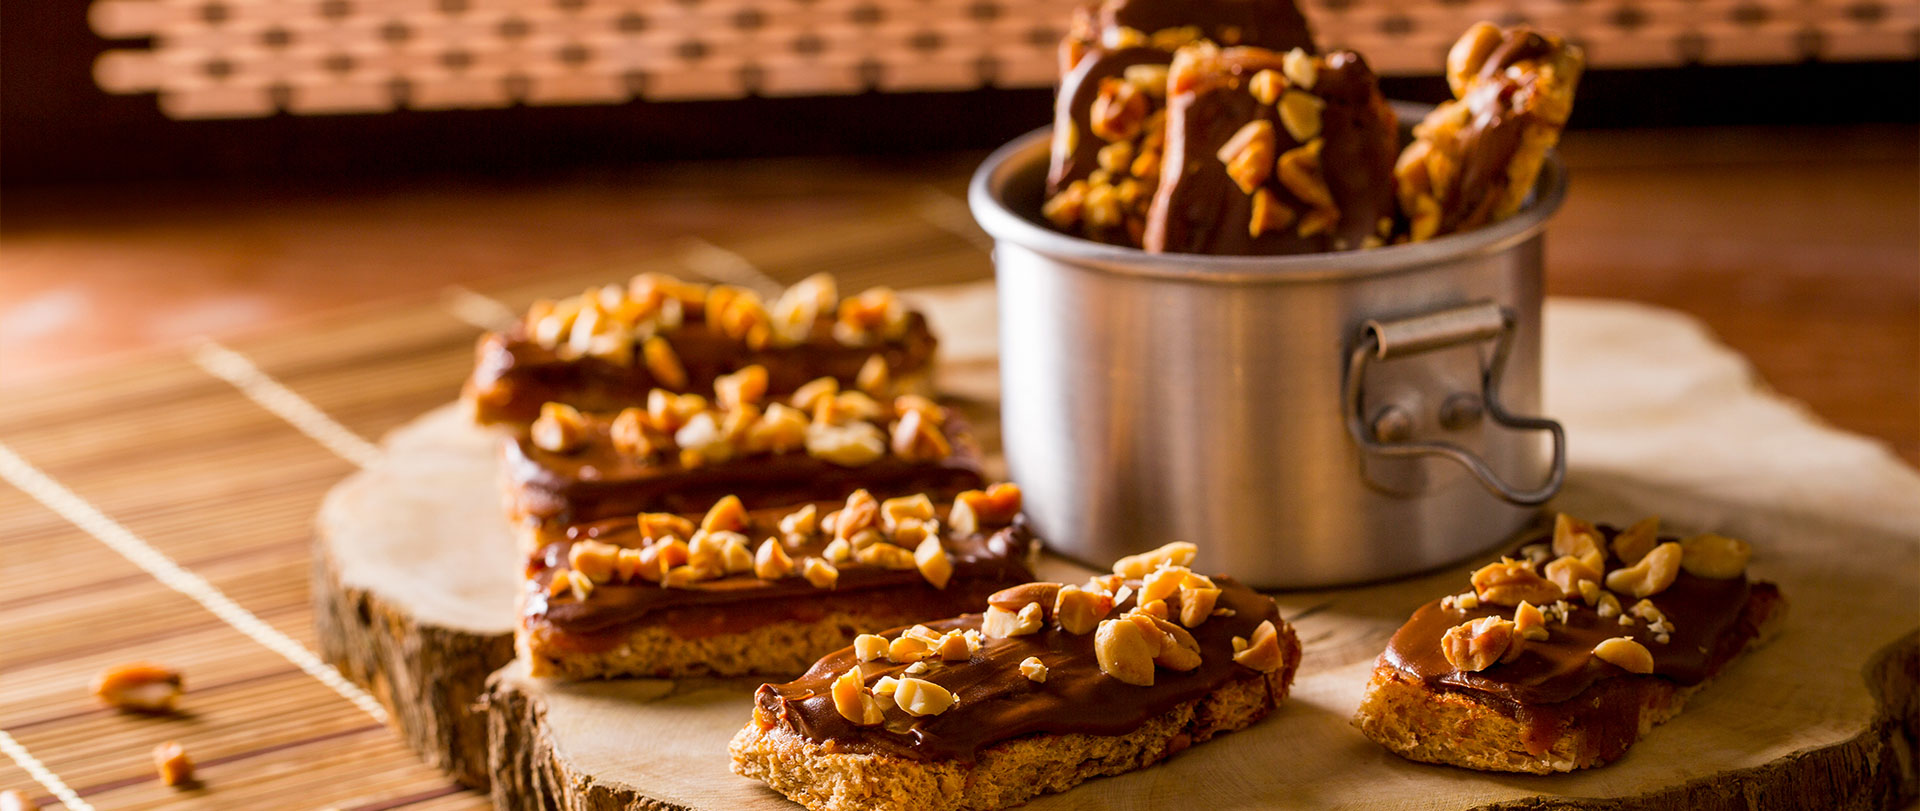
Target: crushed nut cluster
<point>610,322</point>
<point>848,428</point>
<point>1552,581</point>
<point>865,706</point>
<point>1129,647</point>
<point>898,533</point>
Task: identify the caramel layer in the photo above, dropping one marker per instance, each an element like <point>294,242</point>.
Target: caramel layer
<point>598,482</point>
<point>513,376</point>
<point>997,702</point>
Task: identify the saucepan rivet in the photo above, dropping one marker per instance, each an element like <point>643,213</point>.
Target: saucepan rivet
<point>1461,411</point>
<point>1392,424</point>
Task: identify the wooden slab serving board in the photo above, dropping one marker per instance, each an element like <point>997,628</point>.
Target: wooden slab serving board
<point>1662,419</point>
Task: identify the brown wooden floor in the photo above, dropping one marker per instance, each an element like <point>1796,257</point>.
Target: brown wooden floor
<point>1800,247</point>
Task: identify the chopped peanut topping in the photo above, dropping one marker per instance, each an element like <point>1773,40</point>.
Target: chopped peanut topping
<point>1001,623</point>
<point>1134,567</point>
<point>1261,653</point>
<point>654,526</point>
<point>1163,583</point>
<point>1480,644</point>
<point>593,559</point>
<point>139,687</point>
<point>1035,670</point>
<point>1510,582</point>
<point>1079,611</point>
<point>1178,649</point>
<point>663,363</point>
<point>1249,154</point>
<point>744,387</point>
<point>1196,604</point>
<point>810,395</point>
<point>917,439</point>
<point>820,573</point>
<point>1634,542</point>
<point>1579,539</point>
<point>870,647</point>
<point>934,562</point>
<point>1714,556</point>
<point>1652,575</point>
<point>1625,653</point>
<point>920,697</point>
<point>1573,575</point>
<point>559,429</point>
<point>801,523</point>
<point>1125,651</point>
<point>853,702</point>
<point>1529,622</point>
<point>855,444</point>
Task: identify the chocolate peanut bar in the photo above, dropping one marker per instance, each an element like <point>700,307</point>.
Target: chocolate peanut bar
<point>1273,153</point>
<point>1565,654</point>
<point>607,348</point>
<point>762,592</point>
<point>1473,160</point>
<point>1109,117</point>
<point>683,452</point>
<point>1052,685</point>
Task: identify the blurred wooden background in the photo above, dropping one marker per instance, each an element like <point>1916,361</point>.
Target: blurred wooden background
<point>1800,246</point>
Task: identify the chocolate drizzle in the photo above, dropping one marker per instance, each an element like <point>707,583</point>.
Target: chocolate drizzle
<point>513,376</point>
<point>983,562</point>
<point>1712,622</point>
<point>996,702</point>
<point>598,482</point>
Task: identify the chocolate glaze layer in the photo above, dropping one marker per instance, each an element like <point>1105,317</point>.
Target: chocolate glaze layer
<point>983,562</point>
<point>513,376</point>
<point>996,702</point>
<point>1079,86</point>
<point>1199,209</point>
<point>598,482</point>
<point>1711,624</point>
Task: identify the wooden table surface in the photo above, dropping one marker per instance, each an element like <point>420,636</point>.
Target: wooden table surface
<point>1800,247</point>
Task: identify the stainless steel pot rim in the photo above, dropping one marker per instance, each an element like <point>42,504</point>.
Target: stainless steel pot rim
<point>987,191</point>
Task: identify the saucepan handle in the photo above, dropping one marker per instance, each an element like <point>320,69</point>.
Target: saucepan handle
<point>1472,323</point>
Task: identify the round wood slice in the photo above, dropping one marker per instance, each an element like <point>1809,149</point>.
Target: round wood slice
<point>1825,716</point>
<point>414,583</point>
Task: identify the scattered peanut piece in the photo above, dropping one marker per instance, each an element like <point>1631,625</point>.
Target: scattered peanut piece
<point>139,687</point>
<point>171,761</point>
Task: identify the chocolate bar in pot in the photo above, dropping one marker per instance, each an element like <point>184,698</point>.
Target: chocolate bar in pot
<point>1109,117</point>
<point>1474,159</point>
<point>1273,153</point>
<point>609,347</point>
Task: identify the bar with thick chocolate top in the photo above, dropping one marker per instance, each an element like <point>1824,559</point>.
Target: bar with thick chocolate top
<point>634,622</point>
<point>1334,192</point>
<point>984,561</point>
<point>597,481</point>
<point>1568,706</point>
<point>529,364</point>
<point>997,702</point>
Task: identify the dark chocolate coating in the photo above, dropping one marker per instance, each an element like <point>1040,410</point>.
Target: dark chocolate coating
<point>1201,210</point>
<point>597,482</point>
<point>996,702</point>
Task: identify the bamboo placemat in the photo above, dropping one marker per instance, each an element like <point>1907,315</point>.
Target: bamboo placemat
<point>162,510</point>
